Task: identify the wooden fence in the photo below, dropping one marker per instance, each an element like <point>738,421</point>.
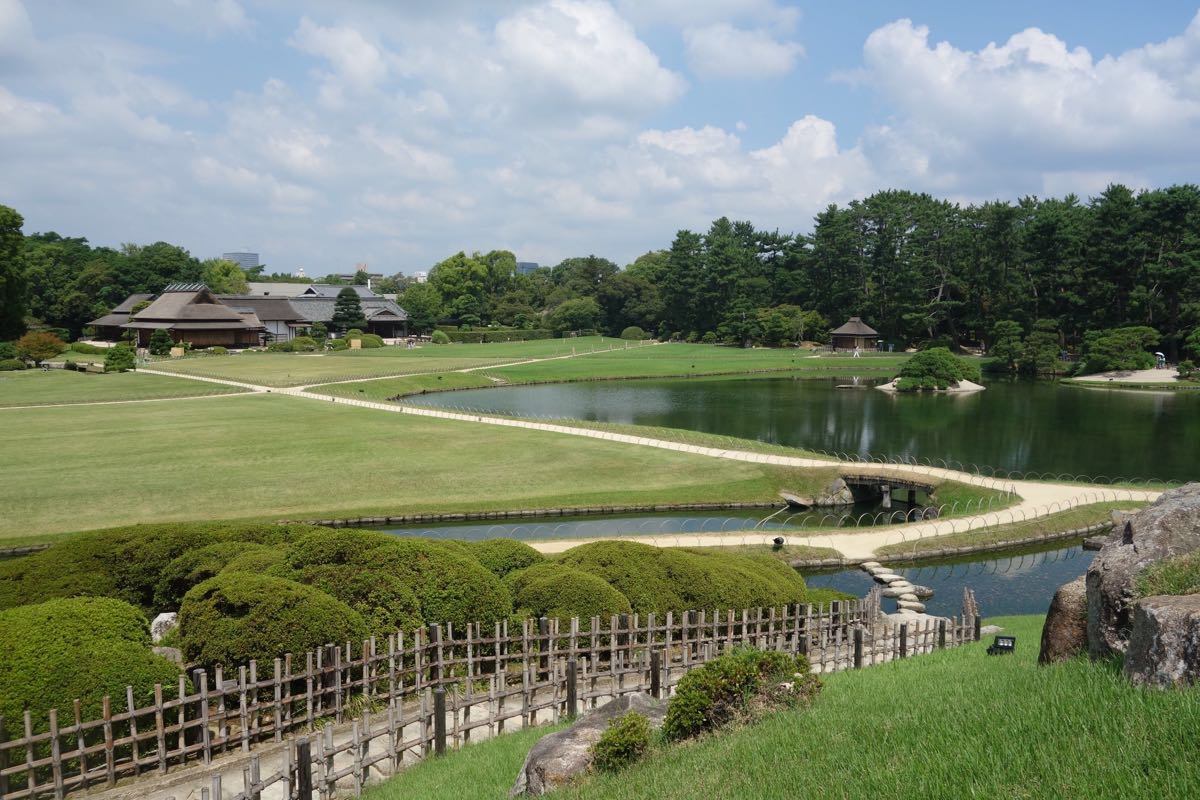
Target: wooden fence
<point>414,694</point>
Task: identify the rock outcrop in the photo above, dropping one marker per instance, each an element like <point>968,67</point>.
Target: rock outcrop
<point>1065,632</point>
<point>1170,527</point>
<point>558,758</point>
<point>1164,645</point>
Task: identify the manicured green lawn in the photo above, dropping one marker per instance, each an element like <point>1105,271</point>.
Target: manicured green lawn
<point>35,387</point>
<point>947,725</point>
<point>272,456</point>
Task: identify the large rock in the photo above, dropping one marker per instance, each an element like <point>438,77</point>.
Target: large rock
<point>1065,632</point>
<point>163,624</point>
<point>837,493</point>
<point>1164,645</point>
<point>1170,527</point>
<point>558,758</point>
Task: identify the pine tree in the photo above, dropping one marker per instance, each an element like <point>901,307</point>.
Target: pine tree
<point>347,311</point>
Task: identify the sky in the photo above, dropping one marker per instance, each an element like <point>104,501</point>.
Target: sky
<point>397,133</point>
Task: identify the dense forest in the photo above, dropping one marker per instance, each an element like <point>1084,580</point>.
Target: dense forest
<point>916,268</point>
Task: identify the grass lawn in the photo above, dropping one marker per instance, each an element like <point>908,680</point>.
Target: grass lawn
<point>947,725</point>
<point>35,387</point>
<point>272,457</point>
<point>1070,520</point>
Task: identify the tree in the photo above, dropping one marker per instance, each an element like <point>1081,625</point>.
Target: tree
<point>424,306</point>
<point>223,277</point>
<point>12,274</point>
<point>1119,349</point>
<point>361,278</point>
<point>347,311</point>
<point>1006,344</point>
<point>1039,353</point>
<point>937,368</point>
<point>161,342</point>
<point>120,359</point>
<point>581,313</point>
<point>38,346</point>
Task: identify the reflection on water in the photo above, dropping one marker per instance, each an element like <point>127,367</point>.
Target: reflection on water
<point>1017,584</point>
<point>1014,425</point>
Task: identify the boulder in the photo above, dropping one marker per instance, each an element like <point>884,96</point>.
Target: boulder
<point>836,493</point>
<point>887,577</point>
<point>894,591</point>
<point>990,630</point>
<point>1065,632</point>
<point>162,625</point>
<point>560,757</point>
<point>905,605</point>
<point>909,596</point>
<point>1170,527</point>
<point>173,654</point>
<point>869,566</point>
<point>1164,644</point>
<point>923,592</point>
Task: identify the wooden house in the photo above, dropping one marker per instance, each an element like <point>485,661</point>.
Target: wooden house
<point>854,335</point>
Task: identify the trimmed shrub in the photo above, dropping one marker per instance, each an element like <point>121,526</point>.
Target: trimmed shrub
<point>161,342</point>
<point>553,590</point>
<point>721,690</point>
<point>337,344</point>
<point>121,358</point>
<point>37,346</point>
<point>450,585</point>
<point>83,648</point>
<point>259,561</point>
<point>7,350</point>
<point>439,337</point>
<point>88,349</point>
<point>235,617</point>
<point>11,364</point>
<point>623,742</point>
<point>633,332</point>
<point>384,601</point>
<point>217,350</point>
<point>125,563</point>
<point>936,368</point>
<point>502,556</point>
<point>370,340</point>
<point>196,566</point>
<point>304,344</point>
<point>279,347</point>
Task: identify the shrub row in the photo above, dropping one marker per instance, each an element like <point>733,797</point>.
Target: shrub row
<point>11,364</point>
<point>493,335</point>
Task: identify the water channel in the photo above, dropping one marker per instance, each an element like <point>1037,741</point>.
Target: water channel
<point>1014,425</point>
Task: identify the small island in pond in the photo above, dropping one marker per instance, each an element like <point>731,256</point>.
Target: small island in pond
<point>936,370</point>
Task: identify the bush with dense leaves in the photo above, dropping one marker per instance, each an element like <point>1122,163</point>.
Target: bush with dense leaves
<point>37,346</point>
<point>85,648</point>
<point>11,364</point>
<point>121,358</point>
<point>450,585</point>
<point>337,344</point>
<point>196,566</point>
<point>936,368</point>
<point>7,350</point>
<point>304,344</point>
<point>633,332</point>
<point>260,561</point>
<point>502,556</point>
<point>623,742</point>
<point>88,349</point>
<point>721,690</point>
<point>674,579</point>
<point>1118,349</point>
<point>279,347</point>
<point>161,342</point>
<point>551,589</point>
<point>235,617</point>
<point>385,602</point>
<point>439,337</point>
<point>217,350</point>
<point>125,563</point>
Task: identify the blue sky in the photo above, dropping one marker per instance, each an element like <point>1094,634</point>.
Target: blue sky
<point>322,134</point>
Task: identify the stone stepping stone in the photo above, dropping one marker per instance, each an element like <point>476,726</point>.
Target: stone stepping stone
<point>887,577</point>
<point>923,592</point>
<point>894,592</point>
<point>909,597</point>
<point>906,605</point>
<point>871,566</point>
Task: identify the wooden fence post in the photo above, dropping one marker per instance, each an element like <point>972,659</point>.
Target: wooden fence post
<point>941,634</point>
<point>858,648</point>
<point>978,627</point>
<point>304,788</point>
<point>572,690</point>
<point>439,721</point>
<point>656,674</point>
<point>904,640</point>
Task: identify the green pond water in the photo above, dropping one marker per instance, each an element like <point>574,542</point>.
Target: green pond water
<point>1014,425</point>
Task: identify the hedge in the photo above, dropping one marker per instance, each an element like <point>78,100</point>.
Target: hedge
<point>125,563</point>
<point>502,556</point>
<point>84,648</point>
<point>450,585</point>
<point>235,617</point>
<point>88,349</point>
<point>554,590</point>
<point>494,335</point>
<point>11,364</point>
<point>259,561</point>
<point>384,601</point>
<point>195,566</point>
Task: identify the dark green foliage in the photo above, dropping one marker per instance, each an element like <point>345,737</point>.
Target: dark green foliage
<point>673,579</point>
<point>551,589</point>
<point>721,690</point>
<point>1186,369</point>
<point>11,364</point>
<point>1178,575</point>
<point>195,566</point>
<point>384,601</point>
<point>347,311</point>
<point>936,368</point>
<point>125,563</point>
<point>236,617</point>
<point>337,344</point>
<point>439,337</point>
<point>1119,349</point>
<point>88,349</point>
<point>1006,345</point>
<point>120,359</point>
<point>634,333</point>
<point>450,585</point>
<point>261,561</point>
<point>7,350</point>
<point>13,274</point>
<point>280,347</point>
<point>161,342</point>
<point>622,743</point>
<point>86,648</point>
<point>502,556</point>
<point>217,350</point>
<point>368,340</point>
<point>303,344</point>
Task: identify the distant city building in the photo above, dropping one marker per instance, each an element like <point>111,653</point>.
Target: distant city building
<point>421,277</point>
<point>243,260</point>
<point>526,267</point>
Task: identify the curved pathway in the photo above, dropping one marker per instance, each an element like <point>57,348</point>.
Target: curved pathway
<point>1037,499</point>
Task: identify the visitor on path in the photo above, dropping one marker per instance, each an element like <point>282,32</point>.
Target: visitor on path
<point>857,352</point>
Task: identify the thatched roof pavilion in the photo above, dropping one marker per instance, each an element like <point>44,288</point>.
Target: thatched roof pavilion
<point>854,335</point>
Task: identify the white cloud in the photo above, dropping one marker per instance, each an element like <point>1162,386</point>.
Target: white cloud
<point>723,51</point>
<point>698,13</point>
<point>358,65</point>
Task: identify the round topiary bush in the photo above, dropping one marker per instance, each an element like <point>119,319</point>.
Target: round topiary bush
<point>84,648</point>
<point>439,337</point>
<point>634,333</point>
<point>217,350</point>
<point>936,368</point>
<point>502,556</point>
<point>235,617</point>
<point>337,344</point>
<point>384,601</point>
<point>554,590</point>
<point>196,566</point>
<point>737,581</point>
<point>11,364</point>
<point>261,561</point>
<point>304,344</point>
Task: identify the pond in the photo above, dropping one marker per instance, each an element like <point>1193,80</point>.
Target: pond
<point>1004,585</point>
<point>1014,425</point>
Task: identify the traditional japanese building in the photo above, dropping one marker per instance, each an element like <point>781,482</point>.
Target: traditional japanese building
<point>854,335</point>
<point>191,313</point>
